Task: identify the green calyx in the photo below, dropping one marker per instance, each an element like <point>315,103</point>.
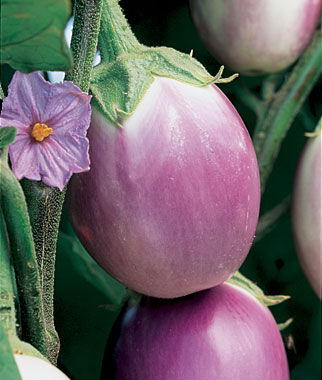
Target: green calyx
<point>128,68</point>
<point>243,282</point>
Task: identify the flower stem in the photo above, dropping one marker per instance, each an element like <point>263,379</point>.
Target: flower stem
<point>116,37</point>
<point>44,202</point>
<point>286,103</point>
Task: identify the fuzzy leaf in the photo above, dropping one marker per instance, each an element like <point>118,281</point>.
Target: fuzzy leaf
<point>7,136</point>
<point>33,35</point>
<point>118,87</point>
<point>168,62</point>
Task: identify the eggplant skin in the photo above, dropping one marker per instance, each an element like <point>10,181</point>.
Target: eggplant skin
<point>171,202</point>
<point>222,333</point>
<point>255,37</point>
<point>307,212</point>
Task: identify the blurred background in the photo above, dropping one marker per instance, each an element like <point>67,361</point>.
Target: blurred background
<point>88,301</point>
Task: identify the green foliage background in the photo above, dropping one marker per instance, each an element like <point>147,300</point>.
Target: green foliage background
<point>88,301</point>
<point>33,37</point>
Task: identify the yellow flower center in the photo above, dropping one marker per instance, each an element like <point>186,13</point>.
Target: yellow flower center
<point>40,131</point>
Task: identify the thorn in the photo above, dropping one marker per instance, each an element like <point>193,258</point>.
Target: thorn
<point>191,53</point>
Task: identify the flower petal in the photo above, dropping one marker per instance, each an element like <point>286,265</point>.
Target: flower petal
<point>28,96</point>
<point>69,109</point>
<point>54,172</point>
<point>59,160</point>
<point>24,158</point>
<point>65,109</point>
<point>74,150</point>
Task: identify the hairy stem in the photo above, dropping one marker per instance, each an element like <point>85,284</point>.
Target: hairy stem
<point>87,16</point>
<point>7,307</point>
<point>44,202</point>
<point>116,37</point>
<point>44,208</point>
<point>24,258</point>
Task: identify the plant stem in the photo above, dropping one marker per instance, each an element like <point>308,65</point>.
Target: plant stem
<point>7,307</point>
<point>272,129</point>
<point>24,258</point>
<point>87,16</point>
<point>44,206</point>
<point>116,37</point>
<point>269,86</point>
<point>45,202</point>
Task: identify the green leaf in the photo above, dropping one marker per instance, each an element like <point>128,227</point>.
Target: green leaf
<point>118,87</point>
<point>128,68</point>
<point>32,35</point>
<point>8,366</point>
<point>87,303</point>
<point>168,62</point>
<point>243,282</point>
<point>7,136</point>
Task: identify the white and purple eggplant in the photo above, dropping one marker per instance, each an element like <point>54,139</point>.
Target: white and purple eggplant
<point>307,211</point>
<point>223,333</point>
<point>256,36</point>
<point>171,203</point>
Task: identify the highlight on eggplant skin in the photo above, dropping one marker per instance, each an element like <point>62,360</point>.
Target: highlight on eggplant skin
<point>222,333</point>
<point>171,203</point>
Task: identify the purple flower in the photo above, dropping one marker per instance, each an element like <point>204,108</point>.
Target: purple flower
<point>52,120</point>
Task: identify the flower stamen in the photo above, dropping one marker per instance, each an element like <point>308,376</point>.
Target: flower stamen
<point>41,131</point>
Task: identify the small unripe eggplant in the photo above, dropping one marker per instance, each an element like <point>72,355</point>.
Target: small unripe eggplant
<point>170,205</point>
<point>222,333</point>
<point>256,37</point>
<point>307,212</point>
